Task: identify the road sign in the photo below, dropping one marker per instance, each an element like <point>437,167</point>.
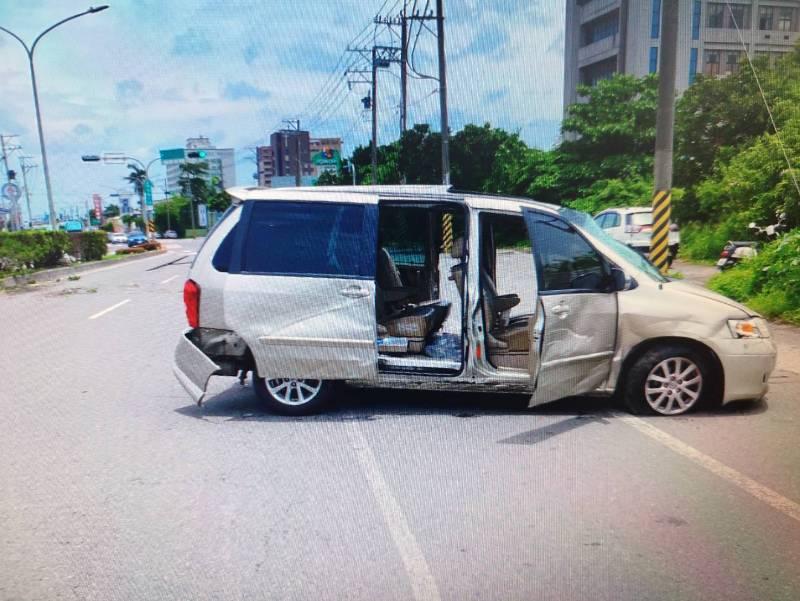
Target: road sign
<point>11,191</point>
<point>202,216</point>
<point>148,193</point>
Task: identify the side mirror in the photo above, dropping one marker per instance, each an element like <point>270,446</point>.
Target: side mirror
<point>618,279</point>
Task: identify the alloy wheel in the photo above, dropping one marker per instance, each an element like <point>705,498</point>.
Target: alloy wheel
<point>294,392</point>
<point>673,386</point>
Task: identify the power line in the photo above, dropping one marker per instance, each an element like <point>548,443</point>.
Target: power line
<point>764,99</point>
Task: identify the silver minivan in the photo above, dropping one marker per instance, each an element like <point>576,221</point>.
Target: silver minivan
<point>426,287</point>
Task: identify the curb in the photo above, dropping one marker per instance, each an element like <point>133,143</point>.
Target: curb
<point>57,273</point>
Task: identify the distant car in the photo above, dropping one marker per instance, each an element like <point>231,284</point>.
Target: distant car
<point>170,234</point>
<point>135,238</point>
<point>158,235</point>
<point>117,238</point>
<point>634,226</point>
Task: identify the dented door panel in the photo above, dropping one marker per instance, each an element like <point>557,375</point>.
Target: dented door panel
<point>305,327</point>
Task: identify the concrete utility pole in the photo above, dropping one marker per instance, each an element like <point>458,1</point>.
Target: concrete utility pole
<point>665,124</point>
<point>374,149</point>
<point>403,72</point>
<point>443,93</point>
<point>25,166</point>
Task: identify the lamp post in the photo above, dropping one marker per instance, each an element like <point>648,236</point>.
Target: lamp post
<point>30,50</point>
<point>119,158</point>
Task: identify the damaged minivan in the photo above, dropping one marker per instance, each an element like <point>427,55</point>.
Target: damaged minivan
<point>426,287</point>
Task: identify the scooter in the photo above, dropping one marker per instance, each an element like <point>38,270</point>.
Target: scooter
<point>738,250</point>
<point>735,251</point>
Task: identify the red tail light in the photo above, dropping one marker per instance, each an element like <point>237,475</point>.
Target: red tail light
<point>724,254</point>
<point>191,298</point>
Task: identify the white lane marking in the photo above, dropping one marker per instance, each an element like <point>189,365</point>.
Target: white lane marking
<point>168,280</point>
<point>422,583</point>
<point>111,308</point>
<point>759,491</point>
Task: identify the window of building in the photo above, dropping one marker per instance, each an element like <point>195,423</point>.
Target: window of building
<point>599,71</point>
<point>303,239</point>
<point>604,27</point>
<point>696,15</point>
<point>716,14</point>
<point>727,16</point>
<point>786,21</point>
<point>692,65</point>
<point>653,59</point>
<point>655,20</point>
<point>732,62</point>
<point>712,63</point>
<point>766,16</point>
<point>564,260</point>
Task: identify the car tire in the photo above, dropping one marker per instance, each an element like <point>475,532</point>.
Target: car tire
<point>668,380</point>
<point>287,396</point>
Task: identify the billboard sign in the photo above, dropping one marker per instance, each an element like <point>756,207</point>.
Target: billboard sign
<point>98,206</point>
<point>327,157</point>
<point>202,216</point>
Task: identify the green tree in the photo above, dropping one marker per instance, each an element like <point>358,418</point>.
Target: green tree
<point>473,153</point>
<point>136,178</point>
<point>111,210</point>
<point>174,214</point>
<point>609,136</point>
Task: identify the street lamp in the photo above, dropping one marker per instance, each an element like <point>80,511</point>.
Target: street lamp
<point>29,51</point>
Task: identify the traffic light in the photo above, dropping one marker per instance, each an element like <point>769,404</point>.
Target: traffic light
<point>196,154</point>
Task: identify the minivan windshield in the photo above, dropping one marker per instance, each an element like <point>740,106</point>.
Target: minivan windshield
<point>586,223</point>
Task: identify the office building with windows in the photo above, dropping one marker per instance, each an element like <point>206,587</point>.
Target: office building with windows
<point>604,37</point>
<point>277,163</point>
<point>220,162</point>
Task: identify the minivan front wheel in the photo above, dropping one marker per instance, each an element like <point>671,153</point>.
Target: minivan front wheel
<point>293,396</point>
<point>669,380</point>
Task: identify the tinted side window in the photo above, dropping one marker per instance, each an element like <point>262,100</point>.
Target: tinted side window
<point>564,260</point>
<point>310,238</point>
<point>222,258</point>
<point>601,220</point>
<point>612,220</point>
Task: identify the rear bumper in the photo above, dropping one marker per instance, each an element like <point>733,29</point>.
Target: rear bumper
<point>192,367</point>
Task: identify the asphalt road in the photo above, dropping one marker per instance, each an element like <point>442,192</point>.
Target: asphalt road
<point>113,485</point>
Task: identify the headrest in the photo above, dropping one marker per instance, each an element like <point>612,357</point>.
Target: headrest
<point>459,249</point>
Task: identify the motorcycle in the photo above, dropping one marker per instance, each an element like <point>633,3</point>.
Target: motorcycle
<point>736,251</point>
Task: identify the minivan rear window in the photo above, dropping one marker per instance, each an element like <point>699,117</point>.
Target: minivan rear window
<point>311,238</point>
<point>645,218</point>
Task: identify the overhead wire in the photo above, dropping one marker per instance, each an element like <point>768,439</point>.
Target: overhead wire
<point>792,173</point>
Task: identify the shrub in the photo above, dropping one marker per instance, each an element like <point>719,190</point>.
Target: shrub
<point>770,282</point>
<point>88,246</point>
<point>701,241</point>
<point>32,249</point>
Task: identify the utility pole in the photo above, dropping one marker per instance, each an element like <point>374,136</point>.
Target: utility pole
<point>665,122</point>
<point>374,148</point>
<point>443,93</point>
<point>24,166</point>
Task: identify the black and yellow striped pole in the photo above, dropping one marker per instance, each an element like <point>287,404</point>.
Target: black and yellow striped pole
<point>659,241</point>
<point>447,232</point>
<point>665,121</point>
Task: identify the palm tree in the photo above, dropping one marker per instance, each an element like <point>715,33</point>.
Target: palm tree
<point>136,177</point>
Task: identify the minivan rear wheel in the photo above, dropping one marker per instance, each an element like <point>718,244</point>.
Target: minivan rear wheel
<point>667,380</point>
<point>289,396</point>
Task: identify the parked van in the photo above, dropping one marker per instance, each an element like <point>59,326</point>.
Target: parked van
<point>425,287</point>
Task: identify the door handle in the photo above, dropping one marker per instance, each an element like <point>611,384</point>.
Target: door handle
<point>354,292</point>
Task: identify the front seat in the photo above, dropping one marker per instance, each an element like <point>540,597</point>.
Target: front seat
<point>507,341</point>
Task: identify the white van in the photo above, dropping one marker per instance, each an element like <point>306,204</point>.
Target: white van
<point>425,287</point>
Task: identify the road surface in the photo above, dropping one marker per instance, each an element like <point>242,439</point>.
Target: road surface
<point>113,485</point>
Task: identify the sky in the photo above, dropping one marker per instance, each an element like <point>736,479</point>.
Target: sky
<point>147,74</point>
